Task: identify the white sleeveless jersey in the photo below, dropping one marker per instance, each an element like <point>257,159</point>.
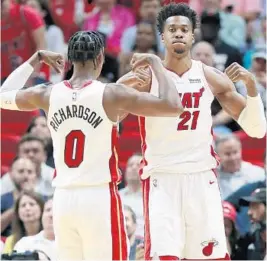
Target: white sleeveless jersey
<point>182,144</point>
<point>83,136</point>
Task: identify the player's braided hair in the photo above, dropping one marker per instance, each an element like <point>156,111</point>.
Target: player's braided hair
<point>176,10</point>
<point>84,46</point>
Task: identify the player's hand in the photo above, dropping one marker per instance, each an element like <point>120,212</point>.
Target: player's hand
<point>54,60</point>
<point>137,79</point>
<point>236,73</point>
<point>144,60</point>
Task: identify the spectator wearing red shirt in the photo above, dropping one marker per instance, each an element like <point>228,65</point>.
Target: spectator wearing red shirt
<point>63,13</point>
<point>22,33</point>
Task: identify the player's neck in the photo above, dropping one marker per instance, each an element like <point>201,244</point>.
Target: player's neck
<point>178,65</point>
<point>83,75</point>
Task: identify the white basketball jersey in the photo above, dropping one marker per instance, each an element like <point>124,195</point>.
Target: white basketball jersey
<point>83,136</point>
<point>182,144</point>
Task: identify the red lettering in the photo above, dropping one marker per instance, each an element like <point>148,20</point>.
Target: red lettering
<point>197,96</point>
<point>185,118</point>
<point>187,100</point>
<point>74,148</point>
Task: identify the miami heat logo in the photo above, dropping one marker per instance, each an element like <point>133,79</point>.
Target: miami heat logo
<point>208,247</point>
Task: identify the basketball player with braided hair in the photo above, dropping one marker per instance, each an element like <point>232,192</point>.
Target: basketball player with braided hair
<point>82,114</point>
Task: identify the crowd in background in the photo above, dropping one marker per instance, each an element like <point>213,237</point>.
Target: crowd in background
<point>229,31</point>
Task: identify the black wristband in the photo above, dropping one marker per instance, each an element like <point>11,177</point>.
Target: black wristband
<point>40,58</point>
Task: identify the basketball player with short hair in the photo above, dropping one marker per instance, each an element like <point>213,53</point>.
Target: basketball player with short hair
<point>182,203</point>
<point>81,115</point>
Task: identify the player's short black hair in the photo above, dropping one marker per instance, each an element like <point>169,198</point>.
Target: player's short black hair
<point>176,10</point>
<point>31,137</point>
<point>84,46</point>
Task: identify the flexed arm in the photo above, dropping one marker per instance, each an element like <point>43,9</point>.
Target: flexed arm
<point>248,112</point>
<point>13,98</point>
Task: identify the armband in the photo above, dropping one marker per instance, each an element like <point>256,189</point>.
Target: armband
<point>252,118</point>
<point>8,100</point>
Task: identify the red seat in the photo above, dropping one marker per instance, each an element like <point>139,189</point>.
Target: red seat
<point>9,143</point>
<point>8,148</point>
<point>252,149</point>
<point>14,124</point>
<point>4,169</point>
<point>7,158</point>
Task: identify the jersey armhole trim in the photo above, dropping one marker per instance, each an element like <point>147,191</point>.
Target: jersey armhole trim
<point>205,80</point>
<point>114,123</point>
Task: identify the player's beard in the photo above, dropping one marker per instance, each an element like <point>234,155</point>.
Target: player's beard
<point>179,51</point>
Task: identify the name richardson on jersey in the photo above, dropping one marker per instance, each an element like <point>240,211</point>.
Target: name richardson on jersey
<point>75,111</point>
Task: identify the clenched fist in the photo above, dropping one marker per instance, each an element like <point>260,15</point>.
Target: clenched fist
<point>236,73</point>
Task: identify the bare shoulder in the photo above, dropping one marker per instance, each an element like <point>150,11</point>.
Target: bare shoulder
<point>112,99</point>
<point>114,91</point>
<point>41,91</point>
<point>217,80</point>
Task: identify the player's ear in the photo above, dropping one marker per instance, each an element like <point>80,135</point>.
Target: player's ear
<point>100,58</point>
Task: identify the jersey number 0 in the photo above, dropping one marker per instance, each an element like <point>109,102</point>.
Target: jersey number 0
<point>74,148</point>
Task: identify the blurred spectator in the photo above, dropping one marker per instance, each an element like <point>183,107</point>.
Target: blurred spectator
<point>130,219</point>
<point>232,235</point>
<point>22,33</point>
<point>225,54</point>
<point>33,148</point>
<point>134,5</point>
<point>45,240</point>
<point>245,8</point>
<point>145,43</point>
<point>232,27</point>
<point>258,68</point>
<point>204,52</point>
<point>233,172</point>
<point>148,12</point>
<point>39,128</point>
<point>222,121</point>
<point>132,194</point>
<point>53,34</point>
<point>24,175</point>
<point>243,221</point>
<point>111,20</point>
<point>258,37</point>
<point>63,13</point>
<point>257,213</point>
<point>27,218</point>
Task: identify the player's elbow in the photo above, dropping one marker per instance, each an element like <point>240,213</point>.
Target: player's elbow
<point>175,109</point>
